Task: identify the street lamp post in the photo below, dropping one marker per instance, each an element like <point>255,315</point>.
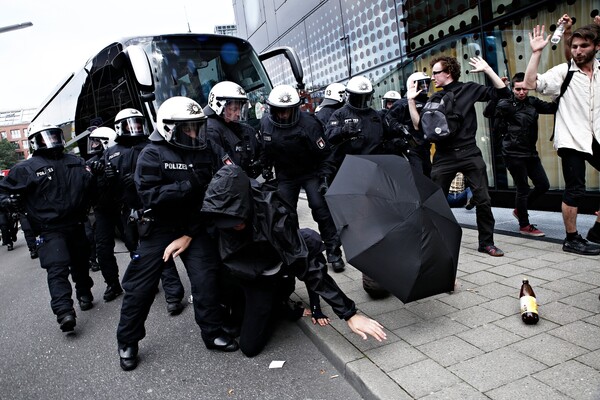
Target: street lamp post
<point>15,27</point>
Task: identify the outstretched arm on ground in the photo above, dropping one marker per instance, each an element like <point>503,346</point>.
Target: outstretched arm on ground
<point>364,326</point>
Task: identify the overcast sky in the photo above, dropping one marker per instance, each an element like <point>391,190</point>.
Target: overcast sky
<point>66,33</point>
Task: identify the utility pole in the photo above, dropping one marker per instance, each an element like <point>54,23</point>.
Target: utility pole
<point>15,27</point>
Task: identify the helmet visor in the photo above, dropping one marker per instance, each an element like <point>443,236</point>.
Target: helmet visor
<point>423,84</point>
<point>133,126</point>
<point>189,134</point>
<point>284,117</point>
<point>235,111</point>
<point>96,145</point>
<point>49,139</point>
<point>360,101</point>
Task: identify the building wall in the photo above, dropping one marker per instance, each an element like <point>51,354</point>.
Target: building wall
<point>13,127</point>
<point>387,40</point>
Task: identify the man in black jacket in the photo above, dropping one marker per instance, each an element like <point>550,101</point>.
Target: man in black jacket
<point>459,152</point>
<point>55,189</point>
<point>516,119</point>
<point>171,177</point>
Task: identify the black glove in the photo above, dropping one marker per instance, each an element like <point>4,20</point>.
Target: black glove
<point>97,167</point>
<point>267,173</point>
<point>399,144</point>
<point>128,180</point>
<point>12,203</point>
<point>323,185</point>
<point>350,129</point>
<point>110,171</point>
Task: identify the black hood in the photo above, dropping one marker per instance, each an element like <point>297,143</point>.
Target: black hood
<point>229,194</point>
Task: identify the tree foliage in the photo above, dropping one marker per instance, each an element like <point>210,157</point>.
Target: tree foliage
<point>8,154</point>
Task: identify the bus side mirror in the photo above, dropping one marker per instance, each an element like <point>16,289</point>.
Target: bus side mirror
<point>136,59</point>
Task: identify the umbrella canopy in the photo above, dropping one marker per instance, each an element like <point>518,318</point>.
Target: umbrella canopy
<point>395,225</point>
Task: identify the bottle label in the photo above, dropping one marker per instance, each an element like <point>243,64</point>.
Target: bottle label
<point>528,304</point>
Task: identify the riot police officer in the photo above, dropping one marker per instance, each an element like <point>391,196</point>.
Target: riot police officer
<point>356,128</point>
<point>227,112</point>
<point>54,189</point>
<point>171,177</point>
<point>401,137</point>
<point>120,162</point>
<point>294,143</point>
<point>335,94</point>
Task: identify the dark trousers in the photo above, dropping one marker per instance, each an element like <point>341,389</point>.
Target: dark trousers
<point>90,227</point>
<point>63,252</point>
<point>141,279</point>
<point>290,191</point>
<point>573,165</point>
<point>106,223</point>
<point>6,227</point>
<point>469,161</point>
<point>27,232</point>
<point>522,168</point>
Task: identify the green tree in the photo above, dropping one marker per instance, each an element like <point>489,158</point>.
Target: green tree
<point>8,154</point>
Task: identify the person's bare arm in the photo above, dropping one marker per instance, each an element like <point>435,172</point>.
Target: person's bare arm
<point>411,94</point>
<point>480,65</point>
<point>537,41</point>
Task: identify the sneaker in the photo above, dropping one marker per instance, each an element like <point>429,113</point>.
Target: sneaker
<point>579,245</point>
<point>593,236</point>
<point>531,230</point>
<point>112,291</point>
<point>491,250</point>
<point>515,214</point>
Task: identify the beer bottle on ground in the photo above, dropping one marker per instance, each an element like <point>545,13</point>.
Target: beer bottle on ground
<point>529,309</point>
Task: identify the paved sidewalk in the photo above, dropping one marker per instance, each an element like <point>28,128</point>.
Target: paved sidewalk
<point>472,344</point>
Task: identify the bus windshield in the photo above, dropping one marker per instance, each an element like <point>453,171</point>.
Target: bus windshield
<point>190,65</point>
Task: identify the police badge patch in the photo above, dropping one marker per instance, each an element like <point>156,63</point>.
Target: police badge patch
<point>320,143</point>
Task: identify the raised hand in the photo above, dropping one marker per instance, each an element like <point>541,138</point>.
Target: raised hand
<point>478,64</point>
<point>537,41</point>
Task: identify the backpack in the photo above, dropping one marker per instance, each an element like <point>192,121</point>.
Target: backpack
<point>438,119</point>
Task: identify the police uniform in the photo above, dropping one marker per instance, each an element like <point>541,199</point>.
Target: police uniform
<point>123,157</point>
<point>239,140</point>
<point>302,157</point>
<point>171,184</point>
<point>365,138</point>
<point>55,191</point>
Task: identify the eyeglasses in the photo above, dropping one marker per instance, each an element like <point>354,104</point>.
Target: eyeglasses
<point>434,73</point>
<point>519,89</point>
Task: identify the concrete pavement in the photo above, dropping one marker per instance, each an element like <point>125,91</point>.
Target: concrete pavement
<point>472,344</point>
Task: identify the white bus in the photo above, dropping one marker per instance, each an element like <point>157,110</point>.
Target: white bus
<point>142,72</point>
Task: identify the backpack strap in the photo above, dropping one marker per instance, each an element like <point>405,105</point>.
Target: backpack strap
<point>563,89</point>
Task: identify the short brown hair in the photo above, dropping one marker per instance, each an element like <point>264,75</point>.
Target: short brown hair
<point>448,63</point>
<point>587,32</point>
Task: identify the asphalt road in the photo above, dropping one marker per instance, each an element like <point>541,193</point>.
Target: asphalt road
<point>38,361</point>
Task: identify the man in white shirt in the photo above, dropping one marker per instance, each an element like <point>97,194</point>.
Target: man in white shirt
<point>577,129</point>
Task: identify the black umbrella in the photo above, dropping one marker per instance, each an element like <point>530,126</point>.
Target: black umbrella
<point>395,225</point>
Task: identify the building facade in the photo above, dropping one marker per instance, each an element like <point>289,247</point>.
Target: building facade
<point>387,40</point>
<point>13,127</point>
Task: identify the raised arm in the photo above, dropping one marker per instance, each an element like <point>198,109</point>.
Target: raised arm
<point>480,65</point>
<point>411,94</point>
<point>537,41</point>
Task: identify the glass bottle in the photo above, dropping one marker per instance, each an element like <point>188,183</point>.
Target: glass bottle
<point>558,32</point>
<point>529,308</point>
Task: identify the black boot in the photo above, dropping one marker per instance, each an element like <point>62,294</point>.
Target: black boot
<point>112,291</point>
<point>67,322</point>
<point>128,355</point>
